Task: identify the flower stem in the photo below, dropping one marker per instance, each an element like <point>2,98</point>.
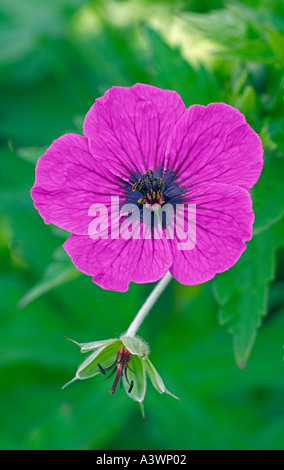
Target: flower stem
<point>146,307</point>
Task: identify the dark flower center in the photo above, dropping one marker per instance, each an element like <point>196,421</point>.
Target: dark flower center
<point>120,366</point>
<point>150,188</point>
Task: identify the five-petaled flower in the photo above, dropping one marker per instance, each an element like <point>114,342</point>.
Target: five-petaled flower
<point>142,145</point>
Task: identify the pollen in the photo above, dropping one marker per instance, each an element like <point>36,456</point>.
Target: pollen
<point>150,188</point>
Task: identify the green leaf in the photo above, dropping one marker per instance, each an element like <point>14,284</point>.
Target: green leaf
<point>220,25</point>
<point>194,84</point>
<point>276,42</point>
<point>30,154</point>
<point>268,195</point>
<point>60,271</point>
<point>256,50</point>
<point>247,103</point>
<point>275,127</point>
<point>242,291</point>
<point>245,32</point>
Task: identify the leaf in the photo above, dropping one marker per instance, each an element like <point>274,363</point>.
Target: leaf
<point>242,291</point>
<point>195,85</point>
<point>268,195</point>
<point>57,273</point>
<point>276,42</point>
<point>275,128</point>
<point>219,25</point>
<point>245,32</point>
<point>255,50</point>
<point>30,154</point>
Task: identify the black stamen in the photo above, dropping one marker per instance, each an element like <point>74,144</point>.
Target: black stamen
<point>150,187</point>
<point>114,370</point>
<point>125,375</point>
<point>102,370</point>
<point>119,367</point>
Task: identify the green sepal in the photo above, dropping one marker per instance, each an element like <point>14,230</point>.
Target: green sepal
<point>87,347</point>
<point>104,355</point>
<point>142,409</point>
<point>139,380</point>
<point>156,379</point>
<point>136,346</point>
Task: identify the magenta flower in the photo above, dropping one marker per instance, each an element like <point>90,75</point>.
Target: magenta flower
<point>142,145</point>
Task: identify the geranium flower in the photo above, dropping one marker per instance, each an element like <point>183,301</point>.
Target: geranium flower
<point>117,357</point>
<point>143,146</point>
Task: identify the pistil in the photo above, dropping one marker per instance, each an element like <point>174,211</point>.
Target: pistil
<point>120,366</point>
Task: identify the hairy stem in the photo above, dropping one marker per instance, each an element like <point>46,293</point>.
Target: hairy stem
<point>146,307</point>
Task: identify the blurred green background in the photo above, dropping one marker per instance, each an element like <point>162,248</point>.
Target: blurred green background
<point>218,346</point>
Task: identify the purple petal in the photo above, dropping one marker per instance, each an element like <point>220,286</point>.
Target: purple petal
<point>224,219</point>
<point>114,263</point>
<point>69,180</point>
<point>214,144</point>
<point>128,127</point>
